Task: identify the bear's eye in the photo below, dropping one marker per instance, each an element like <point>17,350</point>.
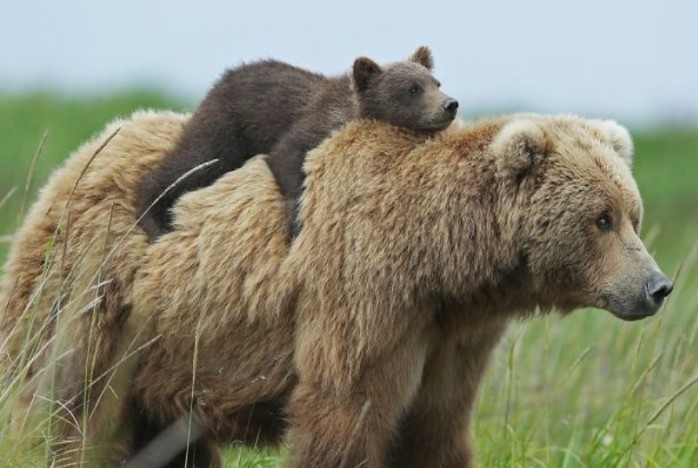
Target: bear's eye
<point>604,222</point>
<point>636,227</point>
<point>415,89</point>
<point>635,220</point>
<point>438,83</point>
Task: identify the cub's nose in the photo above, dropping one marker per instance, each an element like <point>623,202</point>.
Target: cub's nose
<point>657,288</point>
<point>450,105</point>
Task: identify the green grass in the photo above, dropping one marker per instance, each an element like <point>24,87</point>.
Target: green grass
<point>66,122</point>
<point>588,390</point>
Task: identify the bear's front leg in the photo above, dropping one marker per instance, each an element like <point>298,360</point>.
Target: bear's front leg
<point>435,432</point>
<point>352,422</point>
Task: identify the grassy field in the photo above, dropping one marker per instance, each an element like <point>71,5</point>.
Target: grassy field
<point>589,390</point>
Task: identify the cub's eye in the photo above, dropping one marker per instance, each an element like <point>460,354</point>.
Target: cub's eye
<point>415,89</point>
<point>604,222</point>
<point>438,84</point>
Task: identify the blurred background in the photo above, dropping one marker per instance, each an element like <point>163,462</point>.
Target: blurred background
<point>67,68</point>
<point>634,60</point>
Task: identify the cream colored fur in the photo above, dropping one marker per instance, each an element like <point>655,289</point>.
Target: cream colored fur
<point>369,334</point>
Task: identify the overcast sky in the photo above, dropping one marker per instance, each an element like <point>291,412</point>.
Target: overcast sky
<point>634,60</point>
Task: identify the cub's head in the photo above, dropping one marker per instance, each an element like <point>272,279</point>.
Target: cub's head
<point>582,218</point>
<point>404,93</point>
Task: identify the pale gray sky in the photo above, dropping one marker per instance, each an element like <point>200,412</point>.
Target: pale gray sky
<point>634,60</point>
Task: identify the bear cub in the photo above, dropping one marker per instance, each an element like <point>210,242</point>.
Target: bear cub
<point>270,107</point>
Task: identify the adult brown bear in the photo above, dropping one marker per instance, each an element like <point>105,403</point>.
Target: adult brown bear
<point>370,332</point>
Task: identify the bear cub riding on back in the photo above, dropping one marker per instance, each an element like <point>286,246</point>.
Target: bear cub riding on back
<point>270,107</point>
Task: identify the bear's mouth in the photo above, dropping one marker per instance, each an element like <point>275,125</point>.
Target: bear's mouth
<point>638,310</point>
<point>633,317</point>
<point>437,125</point>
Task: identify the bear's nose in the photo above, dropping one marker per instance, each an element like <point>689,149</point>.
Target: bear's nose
<point>658,287</point>
<point>451,106</point>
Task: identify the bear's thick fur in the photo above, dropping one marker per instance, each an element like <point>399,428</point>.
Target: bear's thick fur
<point>66,290</point>
<point>369,334</point>
<point>274,108</point>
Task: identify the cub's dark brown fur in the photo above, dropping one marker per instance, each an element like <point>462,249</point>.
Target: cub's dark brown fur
<point>277,109</point>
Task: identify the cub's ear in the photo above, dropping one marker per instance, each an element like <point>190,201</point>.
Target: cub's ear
<point>423,57</point>
<point>518,146</point>
<point>364,69</point>
<point>620,139</point>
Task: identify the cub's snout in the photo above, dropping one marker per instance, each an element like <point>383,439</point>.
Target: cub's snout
<point>450,106</point>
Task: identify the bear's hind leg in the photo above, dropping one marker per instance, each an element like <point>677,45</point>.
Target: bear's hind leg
<point>173,446</point>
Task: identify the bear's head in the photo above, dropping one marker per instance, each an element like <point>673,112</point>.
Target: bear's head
<point>404,93</point>
<point>580,233</point>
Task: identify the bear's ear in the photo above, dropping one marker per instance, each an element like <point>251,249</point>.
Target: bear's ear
<point>364,69</point>
<point>518,146</point>
<point>423,57</point>
<point>620,139</point>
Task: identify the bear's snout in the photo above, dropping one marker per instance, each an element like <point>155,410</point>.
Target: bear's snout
<point>636,303</point>
<point>657,288</point>
<point>450,106</point>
